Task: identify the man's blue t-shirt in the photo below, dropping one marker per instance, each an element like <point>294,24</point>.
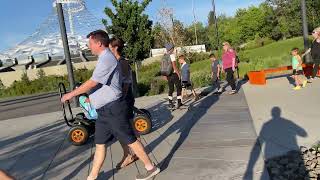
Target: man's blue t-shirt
<point>108,74</point>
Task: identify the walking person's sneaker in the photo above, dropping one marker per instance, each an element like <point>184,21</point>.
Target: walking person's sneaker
<point>297,88</point>
<point>179,104</point>
<point>232,92</point>
<point>304,84</point>
<point>171,105</point>
<point>148,174</point>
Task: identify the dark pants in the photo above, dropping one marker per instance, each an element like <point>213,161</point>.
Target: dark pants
<point>230,78</point>
<point>315,69</point>
<point>174,80</point>
<point>216,81</point>
<point>237,68</point>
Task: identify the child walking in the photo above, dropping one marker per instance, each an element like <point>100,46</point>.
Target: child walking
<point>215,72</point>
<point>297,70</point>
<point>185,78</point>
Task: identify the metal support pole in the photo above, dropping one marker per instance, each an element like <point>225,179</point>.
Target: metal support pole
<point>195,23</point>
<point>216,24</point>
<point>66,47</point>
<point>305,29</point>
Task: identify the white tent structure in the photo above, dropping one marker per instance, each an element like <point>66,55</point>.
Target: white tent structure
<point>47,40</point>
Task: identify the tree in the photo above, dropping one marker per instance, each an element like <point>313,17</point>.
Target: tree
<point>211,18</point>
<point>160,36</point>
<point>288,15</point>
<point>131,24</point>
<point>202,33</point>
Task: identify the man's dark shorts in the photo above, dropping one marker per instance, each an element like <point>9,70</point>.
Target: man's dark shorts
<point>112,122</point>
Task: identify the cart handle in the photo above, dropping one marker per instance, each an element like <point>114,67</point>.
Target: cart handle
<point>63,91</point>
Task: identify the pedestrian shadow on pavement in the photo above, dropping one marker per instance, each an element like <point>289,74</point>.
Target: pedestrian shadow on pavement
<point>291,81</point>
<point>183,126</point>
<point>160,115</point>
<point>278,139</point>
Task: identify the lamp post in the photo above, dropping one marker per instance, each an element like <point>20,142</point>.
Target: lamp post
<point>305,29</point>
<point>195,22</point>
<point>215,23</point>
<point>65,45</point>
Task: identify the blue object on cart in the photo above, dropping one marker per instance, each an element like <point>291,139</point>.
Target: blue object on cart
<point>89,111</point>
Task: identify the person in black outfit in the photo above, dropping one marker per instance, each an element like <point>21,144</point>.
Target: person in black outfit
<point>174,78</point>
<point>315,51</point>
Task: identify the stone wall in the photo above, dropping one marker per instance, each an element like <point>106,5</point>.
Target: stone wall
<point>8,78</point>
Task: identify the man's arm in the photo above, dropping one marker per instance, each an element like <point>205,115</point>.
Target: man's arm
<point>174,65</point>
<point>87,86</point>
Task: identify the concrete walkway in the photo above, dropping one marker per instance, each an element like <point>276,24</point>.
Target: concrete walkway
<point>214,140</point>
<point>283,118</point>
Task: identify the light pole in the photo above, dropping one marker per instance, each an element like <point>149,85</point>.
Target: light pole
<point>195,25</point>
<point>65,45</point>
<point>215,23</point>
<point>305,29</point>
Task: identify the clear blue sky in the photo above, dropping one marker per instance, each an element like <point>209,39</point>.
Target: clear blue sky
<point>20,18</point>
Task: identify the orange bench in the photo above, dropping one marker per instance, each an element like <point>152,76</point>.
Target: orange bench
<point>259,77</point>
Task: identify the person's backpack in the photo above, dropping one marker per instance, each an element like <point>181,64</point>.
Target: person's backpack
<point>166,65</point>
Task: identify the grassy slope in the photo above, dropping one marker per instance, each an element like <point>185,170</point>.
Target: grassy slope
<point>273,55</point>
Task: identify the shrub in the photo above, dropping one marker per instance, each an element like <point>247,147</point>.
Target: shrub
<point>41,73</point>
<point>158,86</point>
<point>143,89</point>
<point>25,78</point>
<point>195,57</point>
<point>2,87</point>
<point>201,78</point>
<point>82,75</point>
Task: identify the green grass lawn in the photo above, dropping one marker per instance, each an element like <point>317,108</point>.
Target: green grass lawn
<point>272,55</point>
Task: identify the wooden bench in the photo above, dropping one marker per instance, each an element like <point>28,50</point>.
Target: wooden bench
<point>259,77</point>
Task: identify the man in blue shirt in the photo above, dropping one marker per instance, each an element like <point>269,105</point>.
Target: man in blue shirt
<point>111,108</point>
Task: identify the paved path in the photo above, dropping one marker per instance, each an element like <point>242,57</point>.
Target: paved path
<point>214,140</point>
<point>283,118</point>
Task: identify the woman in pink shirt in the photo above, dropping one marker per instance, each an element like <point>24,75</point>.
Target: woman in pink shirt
<point>229,65</point>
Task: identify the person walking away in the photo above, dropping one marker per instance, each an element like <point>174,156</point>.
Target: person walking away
<point>171,73</point>
<point>113,120</point>
<point>215,71</point>
<point>297,69</point>
<point>229,64</point>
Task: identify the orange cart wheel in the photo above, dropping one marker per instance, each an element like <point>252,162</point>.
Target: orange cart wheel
<point>78,135</point>
<point>142,124</point>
